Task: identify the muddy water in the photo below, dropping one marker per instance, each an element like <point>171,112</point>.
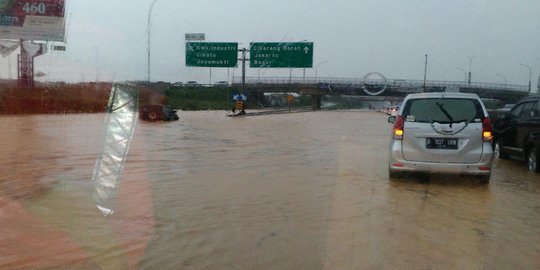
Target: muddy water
<point>284,191</point>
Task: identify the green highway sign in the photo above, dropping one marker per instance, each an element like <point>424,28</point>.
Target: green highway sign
<point>281,55</point>
<point>211,54</point>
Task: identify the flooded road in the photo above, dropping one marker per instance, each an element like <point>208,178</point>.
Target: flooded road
<point>287,191</point>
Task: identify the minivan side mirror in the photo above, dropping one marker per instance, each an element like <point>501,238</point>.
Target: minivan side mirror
<point>391,119</point>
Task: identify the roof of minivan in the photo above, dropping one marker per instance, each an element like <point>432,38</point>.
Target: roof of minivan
<point>442,94</point>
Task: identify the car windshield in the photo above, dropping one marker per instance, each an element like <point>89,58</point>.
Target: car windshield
<point>443,110</point>
<point>242,134</point>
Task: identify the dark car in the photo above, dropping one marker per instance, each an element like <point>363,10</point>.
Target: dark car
<point>495,113</point>
<point>158,112</point>
<point>517,132</point>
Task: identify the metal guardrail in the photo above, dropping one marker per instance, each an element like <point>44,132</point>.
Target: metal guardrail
<point>390,82</point>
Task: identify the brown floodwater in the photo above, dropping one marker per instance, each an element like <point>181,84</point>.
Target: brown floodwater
<point>304,190</point>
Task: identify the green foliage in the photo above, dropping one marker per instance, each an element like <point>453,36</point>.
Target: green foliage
<point>200,98</point>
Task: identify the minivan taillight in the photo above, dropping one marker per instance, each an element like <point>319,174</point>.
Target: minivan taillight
<point>487,130</point>
<point>398,128</point>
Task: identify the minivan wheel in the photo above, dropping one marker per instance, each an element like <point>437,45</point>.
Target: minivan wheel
<point>532,160</point>
<point>497,151</point>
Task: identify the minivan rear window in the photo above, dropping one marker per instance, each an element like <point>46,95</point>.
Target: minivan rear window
<point>443,110</point>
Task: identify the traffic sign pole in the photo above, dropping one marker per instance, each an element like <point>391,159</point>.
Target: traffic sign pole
<point>243,70</point>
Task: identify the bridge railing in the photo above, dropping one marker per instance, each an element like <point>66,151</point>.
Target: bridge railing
<point>391,82</point>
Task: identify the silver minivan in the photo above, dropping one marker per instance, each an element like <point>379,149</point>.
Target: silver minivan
<point>441,133</point>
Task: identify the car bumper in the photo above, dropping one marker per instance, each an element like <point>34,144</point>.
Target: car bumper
<point>397,163</point>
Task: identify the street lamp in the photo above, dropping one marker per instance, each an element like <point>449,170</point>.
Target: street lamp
<point>304,76</point>
<point>530,75</point>
<point>464,73</point>
<point>502,76</point>
<point>149,36</point>
<point>538,83</point>
<point>83,70</point>
<point>234,70</point>
<point>470,66</point>
<point>317,70</point>
<point>425,72</point>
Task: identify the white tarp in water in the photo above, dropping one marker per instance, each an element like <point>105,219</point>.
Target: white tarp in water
<point>120,124</point>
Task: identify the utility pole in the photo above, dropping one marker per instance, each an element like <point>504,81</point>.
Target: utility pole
<point>244,59</point>
<point>470,66</point>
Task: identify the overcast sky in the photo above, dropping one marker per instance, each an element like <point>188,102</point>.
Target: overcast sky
<point>352,37</point>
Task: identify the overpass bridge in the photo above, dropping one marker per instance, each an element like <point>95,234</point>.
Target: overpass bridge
<point>387,89</point>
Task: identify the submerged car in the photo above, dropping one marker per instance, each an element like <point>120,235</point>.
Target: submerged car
<point>517,133</point>
<point>441,133</point>
<point>157,112</point>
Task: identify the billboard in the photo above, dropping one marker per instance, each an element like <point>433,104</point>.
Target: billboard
<point>32,19</point>
<point>7,47</point>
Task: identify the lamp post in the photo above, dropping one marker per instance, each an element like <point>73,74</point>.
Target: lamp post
<point>83,70</point>
<point>538,83</point>
<point>470,66</point>
<point>464,73</point>
<point>304,76</point>
<point>290,75</point>
<point>97,64</point>
<point>234,70</point>
<point>425,72</point>
<point>258,86</point>
<point>317,70</point>
<point>530,74</point>
<point>149,37</point>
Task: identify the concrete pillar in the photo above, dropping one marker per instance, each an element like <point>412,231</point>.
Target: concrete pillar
<point>316,102</point>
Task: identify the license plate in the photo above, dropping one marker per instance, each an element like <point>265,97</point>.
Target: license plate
<point>441,143</point>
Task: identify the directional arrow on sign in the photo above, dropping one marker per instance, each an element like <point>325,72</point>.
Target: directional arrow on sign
<point>211,54</point>
<point>281,55</point>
